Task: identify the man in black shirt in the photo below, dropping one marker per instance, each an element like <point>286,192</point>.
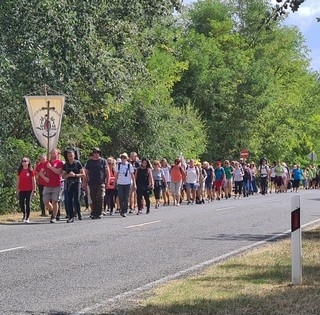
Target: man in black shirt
<point>97,172</point>
<point>72,172</point>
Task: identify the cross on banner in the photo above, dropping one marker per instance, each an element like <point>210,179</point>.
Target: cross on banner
<point>46,120</point>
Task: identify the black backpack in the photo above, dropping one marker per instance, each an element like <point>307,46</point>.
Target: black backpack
<point>76,153</point>
<point>126,174</point>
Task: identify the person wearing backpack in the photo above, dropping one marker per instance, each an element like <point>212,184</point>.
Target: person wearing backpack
<point>111,189</point>
<point>219,178</point>
<point>247,178</point>
<point>165,190</point>
<point>200,190</point>
<point>209,181</point>
<point>144,181</point>
<point>264,173</point>
<point>228,169</point>
<point>192,181</point>
<point>125,180</point>
<point>159,181</point>
<point>97,172</point>
<point>72,173</point>
<point>177,177</point>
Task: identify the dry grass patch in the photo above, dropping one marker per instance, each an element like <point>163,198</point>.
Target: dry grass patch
<point>256,283</point>
<point>17,217</point>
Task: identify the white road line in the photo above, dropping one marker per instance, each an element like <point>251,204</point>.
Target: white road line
<point>194,268</point>
<point>274,201</point>
<point>10,249</point>
<point>221,209</point>
<point>142,224</point>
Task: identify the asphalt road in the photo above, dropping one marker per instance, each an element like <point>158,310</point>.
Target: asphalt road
<point>82,267</point>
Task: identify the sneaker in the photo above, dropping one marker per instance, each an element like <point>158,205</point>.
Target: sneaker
<point>23,219</point>
<point>148,211</point>
<point>156,206</point>
<point>178,204</point>
<point>189,203</point>
<point>53,220</point>
<point>57,218</point>
<point>124,215</point>
<point>104,213</point>
<point>26,221</point>
<point>70,220</point>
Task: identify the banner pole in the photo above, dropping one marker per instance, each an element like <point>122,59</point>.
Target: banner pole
<point>48,129</point>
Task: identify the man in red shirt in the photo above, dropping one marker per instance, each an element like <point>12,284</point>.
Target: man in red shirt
<point>52,176</point>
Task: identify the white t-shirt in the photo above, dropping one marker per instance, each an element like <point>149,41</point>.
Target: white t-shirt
<point>125,171</point>
<point>237,175</point>
<point>191,177</point>
<point>166,171</point>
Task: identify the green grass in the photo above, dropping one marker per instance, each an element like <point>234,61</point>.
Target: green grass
<point>258,282</point>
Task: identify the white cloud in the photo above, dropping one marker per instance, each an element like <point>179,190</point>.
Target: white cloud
<point>305,16</point>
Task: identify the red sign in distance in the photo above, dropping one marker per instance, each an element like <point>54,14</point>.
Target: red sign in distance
<point>244,153</point>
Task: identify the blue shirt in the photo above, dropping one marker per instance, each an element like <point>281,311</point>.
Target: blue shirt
<point>219,172</point>
<point>297,174</point>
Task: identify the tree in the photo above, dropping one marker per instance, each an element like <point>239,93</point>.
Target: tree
<point>246,80</point>
<point>97,53</point>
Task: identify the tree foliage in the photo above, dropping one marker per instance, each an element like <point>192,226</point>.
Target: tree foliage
<point>139,76</point>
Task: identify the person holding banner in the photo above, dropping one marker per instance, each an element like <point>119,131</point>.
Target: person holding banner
<point>52,176</point>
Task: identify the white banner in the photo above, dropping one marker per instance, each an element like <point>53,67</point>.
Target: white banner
<point>46,127</point>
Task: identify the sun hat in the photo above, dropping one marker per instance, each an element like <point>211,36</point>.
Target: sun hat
<point>124,154</point>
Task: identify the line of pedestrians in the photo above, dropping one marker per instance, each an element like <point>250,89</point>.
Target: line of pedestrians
<point>127,184</point>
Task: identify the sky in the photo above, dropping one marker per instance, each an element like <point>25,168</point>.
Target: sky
<point>305,20</point>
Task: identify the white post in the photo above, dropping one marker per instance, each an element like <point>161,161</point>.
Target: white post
<point>296,246</point>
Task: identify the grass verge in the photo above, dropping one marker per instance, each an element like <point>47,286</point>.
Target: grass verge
<point>258,282</point>
<point>17,216</point>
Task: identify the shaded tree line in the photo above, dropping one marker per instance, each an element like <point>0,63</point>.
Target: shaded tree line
<point>158,78</point>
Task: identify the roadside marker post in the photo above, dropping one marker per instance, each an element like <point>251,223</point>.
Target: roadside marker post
<point>296,246</point>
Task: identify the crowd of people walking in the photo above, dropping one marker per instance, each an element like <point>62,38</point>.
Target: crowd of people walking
<point>127,183</point>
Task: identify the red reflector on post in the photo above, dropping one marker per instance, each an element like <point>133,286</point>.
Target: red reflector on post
<point>295,220</point>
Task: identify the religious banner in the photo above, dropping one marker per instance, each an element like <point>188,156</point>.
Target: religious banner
<point>46,115</point>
